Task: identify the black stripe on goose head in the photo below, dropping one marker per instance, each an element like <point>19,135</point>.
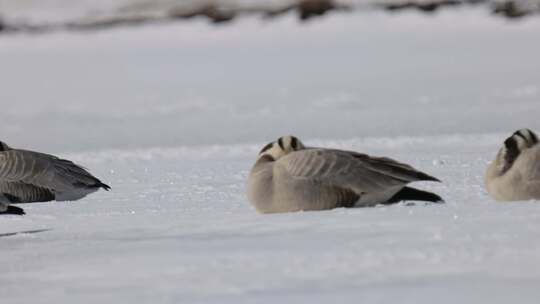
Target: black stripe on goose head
<point>3,147</point>
<point>266,148</point>
<point>280,143</point>
<point>511,152</point>
<point>294,143</point>
<point>528,136</point>
<point>533,136</point>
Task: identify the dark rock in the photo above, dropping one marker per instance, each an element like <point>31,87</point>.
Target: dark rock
<point>313,8</point>
<point>210,11</point>
<point>509,9</point>
<point>427,7</point>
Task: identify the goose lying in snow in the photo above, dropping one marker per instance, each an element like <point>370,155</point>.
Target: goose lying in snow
<point>289,177</point>
<point>515,173</point>
<point>28,176</point>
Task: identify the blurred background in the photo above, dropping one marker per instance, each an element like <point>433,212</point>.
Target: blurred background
<point>93,75</point>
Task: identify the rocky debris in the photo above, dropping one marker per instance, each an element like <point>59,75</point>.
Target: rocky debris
<point>106,23</point>
<point>427,7</point>
<point>313,8</point>
<point>513,10</point>
<point>221,11</point>
<point>307,9</point>
<point>212,11</point>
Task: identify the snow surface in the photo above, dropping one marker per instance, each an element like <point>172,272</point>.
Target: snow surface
<point>177,146</point>
<point>342,76</point>
<point>177,229</point>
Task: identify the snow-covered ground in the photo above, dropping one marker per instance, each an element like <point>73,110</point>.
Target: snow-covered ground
<point>177,229</point>
<point>342,76</point>
<point>172,118</point>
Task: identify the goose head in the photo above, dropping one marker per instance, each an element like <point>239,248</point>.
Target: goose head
<point>281,147</point>
<point>513,146</point>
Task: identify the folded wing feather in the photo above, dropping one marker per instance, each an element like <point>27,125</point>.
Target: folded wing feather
<point>25,193</point>
<point>38,172</point>
<point>351,170</point>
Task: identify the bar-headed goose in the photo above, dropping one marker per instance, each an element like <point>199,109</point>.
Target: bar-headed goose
<point>515,173</point>
<point>288,176</point>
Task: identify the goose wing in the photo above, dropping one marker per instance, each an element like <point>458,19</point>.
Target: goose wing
<point>350,170</point>
<point>45,171</point>
<point>16,192</point>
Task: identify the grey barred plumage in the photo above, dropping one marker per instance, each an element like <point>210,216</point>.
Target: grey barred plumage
<point>28,176</point>
<point>288,176</point>
<point>515,172</point>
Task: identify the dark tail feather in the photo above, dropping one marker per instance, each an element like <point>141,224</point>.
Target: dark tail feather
<point>104,186</point>
<point>97,185</point>
<point>411,194</point>
<point>426,177</point>
<point>13,210</point>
